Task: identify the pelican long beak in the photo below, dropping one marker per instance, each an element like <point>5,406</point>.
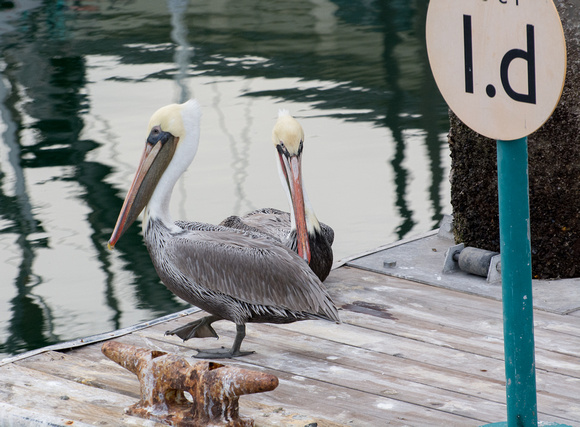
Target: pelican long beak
<point>154,161</point>
<point>292,168</point>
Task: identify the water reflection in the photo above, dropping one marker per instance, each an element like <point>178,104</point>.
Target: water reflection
<point>79,77</point>
<point>178,9</point>
<point>27,312</point>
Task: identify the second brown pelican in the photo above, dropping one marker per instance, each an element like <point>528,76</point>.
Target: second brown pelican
<point>299,229</point>
<point>234,275</point>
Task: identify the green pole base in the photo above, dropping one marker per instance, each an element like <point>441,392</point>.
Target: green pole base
<point>540,424</point>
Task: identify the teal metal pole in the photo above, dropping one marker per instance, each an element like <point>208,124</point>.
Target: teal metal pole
<point>516,273</point>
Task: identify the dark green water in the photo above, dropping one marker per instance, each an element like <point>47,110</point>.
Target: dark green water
<point>80,79</point>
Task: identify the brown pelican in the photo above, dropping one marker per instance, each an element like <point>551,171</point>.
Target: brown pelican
<point>234,275</point>
<point>299,229</point>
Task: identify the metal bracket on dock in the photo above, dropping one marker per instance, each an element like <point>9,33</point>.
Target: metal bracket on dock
<point>175,392</point>
<point>451,263</point>
<point>474,261</point>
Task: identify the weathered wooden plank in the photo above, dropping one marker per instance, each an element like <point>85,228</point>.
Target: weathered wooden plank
<point>441,359</point>
<point>418,309</point>
<point>444,335</point>
<point>272,361</point>
<point>420,356</point>
<point>283,340</point>
<point>349,281</point>
<point>547,360</point>
<point>389,288</point>
<point>296,349</point>
<point>11,415</point>
<point>437,351</point>
<point>413,374</point>
<point>463,310</point>
<point>549,354</point>
<point>107,375</point>
<point>379,380</point>
<point>100,373</point>
<point>53,397</point>
<point>291,396</point>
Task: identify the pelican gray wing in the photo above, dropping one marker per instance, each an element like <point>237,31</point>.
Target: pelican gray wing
<point>269,221</point>
<point>273,222</point>
<point>278,225</point>
<point>250,268</point>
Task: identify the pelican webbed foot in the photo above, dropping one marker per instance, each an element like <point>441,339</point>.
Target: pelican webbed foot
<point>200,328</point>
<point>223,353</point>
<point>220,353</point>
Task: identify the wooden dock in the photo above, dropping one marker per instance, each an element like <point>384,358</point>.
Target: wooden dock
<point>406,354</point>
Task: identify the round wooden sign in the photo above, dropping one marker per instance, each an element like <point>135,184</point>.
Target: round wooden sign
<point>499,64</point>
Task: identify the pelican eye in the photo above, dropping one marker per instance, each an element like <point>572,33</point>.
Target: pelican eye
<point>282,149</point>
<point>157,135</point>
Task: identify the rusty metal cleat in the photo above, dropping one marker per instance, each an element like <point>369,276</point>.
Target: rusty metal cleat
<point>176,392</point>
